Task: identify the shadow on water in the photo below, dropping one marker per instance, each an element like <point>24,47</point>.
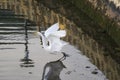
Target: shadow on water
<point>27,62</point>
<point>52,69</point>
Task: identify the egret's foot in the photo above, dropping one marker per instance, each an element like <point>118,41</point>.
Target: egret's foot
<point>64,56</point>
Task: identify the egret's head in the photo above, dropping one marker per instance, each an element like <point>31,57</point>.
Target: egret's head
<point>62,26</point>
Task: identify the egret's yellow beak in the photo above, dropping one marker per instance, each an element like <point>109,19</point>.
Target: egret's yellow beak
<point>62,26</point>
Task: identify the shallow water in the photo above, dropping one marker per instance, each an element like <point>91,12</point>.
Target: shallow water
<point>13,49</point>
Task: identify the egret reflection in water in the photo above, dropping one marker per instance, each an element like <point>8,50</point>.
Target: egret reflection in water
<point>52,70</point>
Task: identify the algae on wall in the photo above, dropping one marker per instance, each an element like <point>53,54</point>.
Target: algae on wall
<point>105,30</point>
<point>108,25</point>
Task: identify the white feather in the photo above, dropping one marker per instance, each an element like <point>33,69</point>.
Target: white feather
<point>53,28</point>
<point>53,35</point>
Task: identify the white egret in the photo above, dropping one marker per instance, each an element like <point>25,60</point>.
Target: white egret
<point>52,36</point>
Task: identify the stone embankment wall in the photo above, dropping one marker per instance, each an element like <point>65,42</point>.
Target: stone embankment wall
<point>76,36</point>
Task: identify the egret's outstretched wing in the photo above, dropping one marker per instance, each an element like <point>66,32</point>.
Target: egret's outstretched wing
<point>57,45</point>
<point>52,36</point>
<point>60,33</point>
<point>54,39</point>
<point>55,42</point>
<point>53,28</point>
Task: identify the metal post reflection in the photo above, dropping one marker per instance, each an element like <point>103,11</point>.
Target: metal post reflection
<point>27,62</point>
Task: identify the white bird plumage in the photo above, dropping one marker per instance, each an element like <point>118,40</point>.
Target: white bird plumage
<point>52,36</point>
